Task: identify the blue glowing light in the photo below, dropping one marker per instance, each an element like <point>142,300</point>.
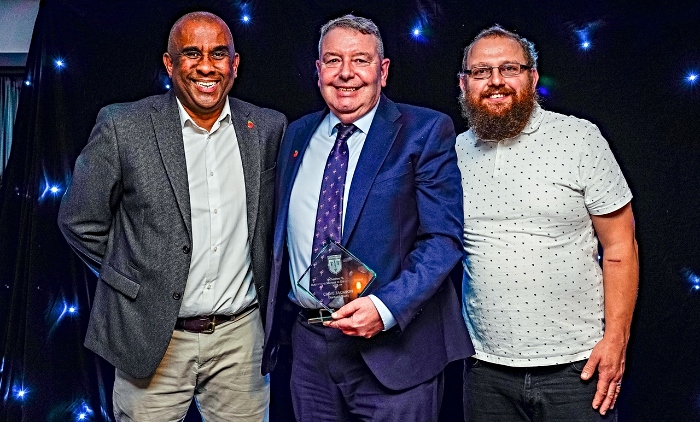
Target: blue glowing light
<point>545,92</point>
<point>60,63</point>
<point>246,18</point>
<point>27,83</point>
<point>20,393</point>
<point>49,188</point>
<point>586,45</point>
<point>72,309</point>
<point>167,86</point>
<point>692,78</point>
<point>416,32</point>
<point>692,278</point>
<point>81,411</point>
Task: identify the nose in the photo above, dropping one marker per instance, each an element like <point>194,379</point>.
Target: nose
<point>496,78</point>
<point>346,70</point>
<point>205,64</point>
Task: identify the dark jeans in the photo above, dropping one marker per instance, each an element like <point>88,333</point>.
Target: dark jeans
<point>545,393</point>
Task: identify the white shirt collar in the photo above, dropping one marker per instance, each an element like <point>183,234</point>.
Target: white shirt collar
<point>363,123</point>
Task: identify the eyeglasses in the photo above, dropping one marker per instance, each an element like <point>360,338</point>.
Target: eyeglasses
<point>507,70</point>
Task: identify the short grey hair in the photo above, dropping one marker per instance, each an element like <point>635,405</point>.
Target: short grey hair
<point>497,31</point>
<point>362,25</point>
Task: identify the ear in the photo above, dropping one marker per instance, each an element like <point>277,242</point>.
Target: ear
<point>168,62</point>
<point>462,84</point>
<point>384,66</point>
<point>318,72</point>
<point>535,78</point>
<point>236,62</point>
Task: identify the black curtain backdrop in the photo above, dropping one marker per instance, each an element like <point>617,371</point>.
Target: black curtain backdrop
<point>631,82</point>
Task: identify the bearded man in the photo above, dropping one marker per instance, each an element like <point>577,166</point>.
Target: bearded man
<point>549,322</point>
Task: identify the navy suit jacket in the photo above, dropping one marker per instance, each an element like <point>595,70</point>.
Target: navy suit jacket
<point>404,220</point>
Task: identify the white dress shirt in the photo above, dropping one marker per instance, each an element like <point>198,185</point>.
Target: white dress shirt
<point>303,204</point>
<point>220,277</point>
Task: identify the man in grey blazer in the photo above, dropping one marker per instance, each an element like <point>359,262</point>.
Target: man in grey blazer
<point>171,204</point>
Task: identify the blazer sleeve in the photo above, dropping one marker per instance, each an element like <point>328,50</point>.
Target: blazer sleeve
<point>438,245</point>
<point>90,202</point>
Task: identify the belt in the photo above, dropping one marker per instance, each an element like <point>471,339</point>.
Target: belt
<point>207,324</point>
<point>315,316</point>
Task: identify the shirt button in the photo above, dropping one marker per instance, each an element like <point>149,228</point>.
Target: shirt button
<point>216,210</point>
<point>211,173</point>
<point>208,286</point>
<point>176,295</point>
<point>216,248</point>
<point>186,249</point>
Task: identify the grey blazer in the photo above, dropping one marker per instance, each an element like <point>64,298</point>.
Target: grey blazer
<point>127,215</point>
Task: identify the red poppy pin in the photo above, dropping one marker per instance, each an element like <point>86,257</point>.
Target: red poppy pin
<point>250,124</point>
<point>295,153</point>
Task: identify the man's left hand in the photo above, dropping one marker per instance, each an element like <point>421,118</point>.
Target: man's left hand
<point>357,318</point>
<point>608,357</point>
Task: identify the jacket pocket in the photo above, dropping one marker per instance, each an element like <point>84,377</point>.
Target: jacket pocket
<point>119,281</point>
<point>268,174</point>
<point>394,173</point>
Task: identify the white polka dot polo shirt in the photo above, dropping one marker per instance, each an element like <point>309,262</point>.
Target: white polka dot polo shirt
<point>533,286</point>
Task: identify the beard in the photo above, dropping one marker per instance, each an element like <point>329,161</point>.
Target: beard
<point>502,122</point>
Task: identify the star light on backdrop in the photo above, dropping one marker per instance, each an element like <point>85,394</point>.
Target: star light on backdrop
<point>20,392</point>
<point>692,278</point>
<point>49,188</point>
<point>584,34</point>
<point>59,63</point>
<point>82,411</point>
<point>692,78</point>
<point>245,13</point>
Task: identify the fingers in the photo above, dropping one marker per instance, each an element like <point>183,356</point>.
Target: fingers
<point>357,318</point>
<point>346,310</point>
<point>618,385</point>
<point>609,397</point>
<point>590,368</point>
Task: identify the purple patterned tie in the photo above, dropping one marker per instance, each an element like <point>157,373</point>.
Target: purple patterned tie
<point>329,214</point>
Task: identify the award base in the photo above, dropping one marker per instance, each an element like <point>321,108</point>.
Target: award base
<point>323,316</point>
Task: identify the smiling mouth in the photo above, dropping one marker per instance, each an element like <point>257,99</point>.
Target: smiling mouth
<point>344,89</point>
<point>206,84</point>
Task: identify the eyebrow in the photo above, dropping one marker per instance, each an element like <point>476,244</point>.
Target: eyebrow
<point>194,48</point>
<point>360,54</point>
<point>484,64</point>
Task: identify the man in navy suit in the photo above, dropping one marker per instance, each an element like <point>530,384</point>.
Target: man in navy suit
<point>399,211</point>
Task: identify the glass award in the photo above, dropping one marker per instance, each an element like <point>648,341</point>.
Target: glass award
<point>340,278</point>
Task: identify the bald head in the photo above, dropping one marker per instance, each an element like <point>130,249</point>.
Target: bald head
<point>195,17</point>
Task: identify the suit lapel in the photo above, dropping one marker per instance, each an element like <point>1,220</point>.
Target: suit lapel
<point>297,149</point>
<point>168,132</point>
<point>249,146</point>
<point>379,140</point>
